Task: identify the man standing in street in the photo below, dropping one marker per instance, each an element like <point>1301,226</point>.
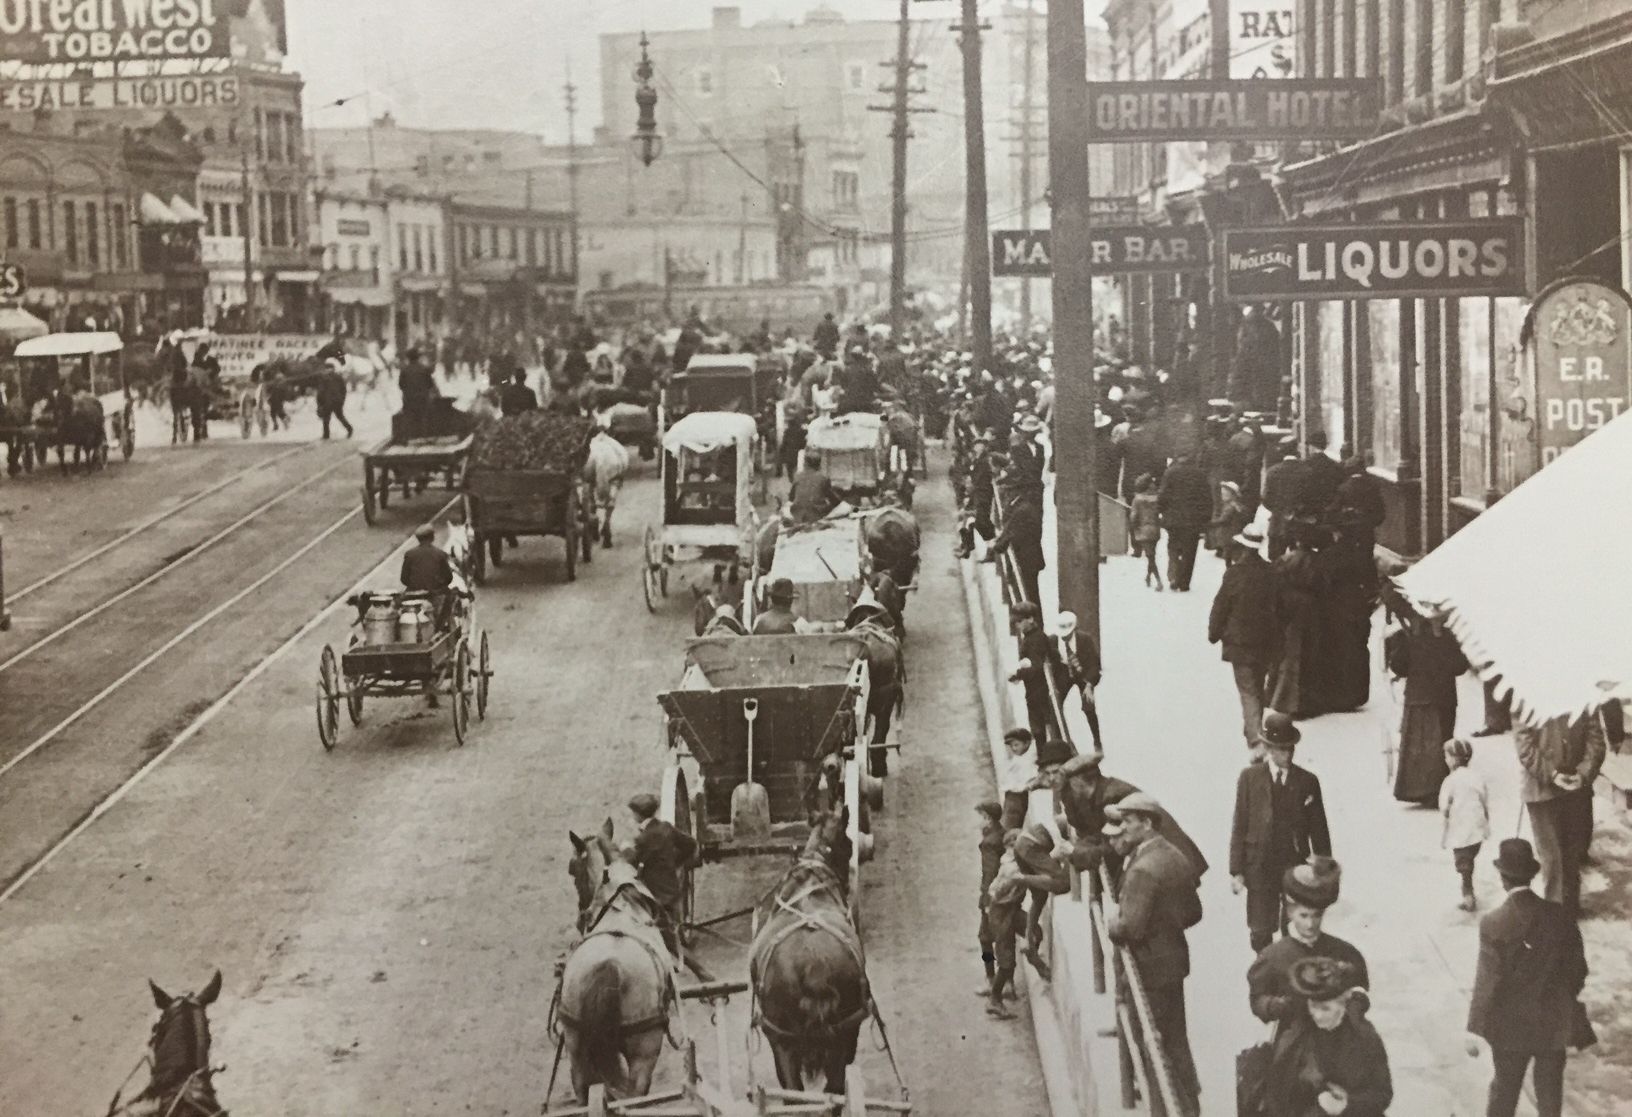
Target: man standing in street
<point>811,495</point>
<point>516,398</point>
<point>1280,819</point>
<point>1186,504</point>
<point>1531,970</point>
<point>1157,901</point>
<point>1244,620</point>
<point>1559,763</point>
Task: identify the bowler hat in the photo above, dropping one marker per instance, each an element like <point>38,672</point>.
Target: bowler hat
<point>1322,979</point>
<point>1053,751</point>
<point>644,805</point>
<point>1029,423</point>
<point>782,591</point>
<point>1279,732</point>
<point>1515,859</point>
<point>1313,884</point>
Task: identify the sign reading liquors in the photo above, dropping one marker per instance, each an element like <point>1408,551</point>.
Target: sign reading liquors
<point>1112,250</point>
<point>162,92</point>
<point>1256,110</point>
<point>1388,260</point>
<point>1581,331</point>
<point>112,30</point>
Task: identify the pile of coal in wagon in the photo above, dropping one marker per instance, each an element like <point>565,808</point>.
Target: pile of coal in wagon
<point>533,440</point>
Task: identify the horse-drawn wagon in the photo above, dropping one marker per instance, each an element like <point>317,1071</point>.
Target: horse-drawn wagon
<point>855,454</point>
<point>739,382</point>
<point>525,477</point>
<point>72,393</point>
<point>402,649</point>
<point>826,563</point>
<point>439,450</point>
<point>707,476</point>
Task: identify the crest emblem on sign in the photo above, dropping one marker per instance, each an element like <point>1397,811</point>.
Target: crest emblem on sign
<point>1583,323</point>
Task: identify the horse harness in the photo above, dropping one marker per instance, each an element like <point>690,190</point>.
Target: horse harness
<point>804,920</point>
<point>665,966</point>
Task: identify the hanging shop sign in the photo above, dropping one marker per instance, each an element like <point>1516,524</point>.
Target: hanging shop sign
<point>13,281</point>
<point>1580,332</point>
<point>1112,250</point>
<point>1385,260</point>
<point>1120,209</point>
<point>240,353</point>
<point>1254,110</point>
<point>118,93</point>
<point>40,31</point>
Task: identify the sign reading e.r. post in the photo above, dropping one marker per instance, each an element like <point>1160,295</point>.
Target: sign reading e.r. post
<point>1258,110</point>
<point>1112,250</point>
<point>1386,260</point>
<point>39,31</point>
<point>1582,333</point>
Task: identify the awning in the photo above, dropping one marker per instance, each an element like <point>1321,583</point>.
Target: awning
<point>421,284</point>
<point>70,345</point>
<point>360,296</point>
<point>476,290</point>
<point>1536,588</point>
<point>17,324</point>
<point>155,212</point>
<point>304,275</point>
<point>185,210</point>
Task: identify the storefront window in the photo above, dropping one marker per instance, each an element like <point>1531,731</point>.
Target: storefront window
<point>1516,438</point>
<point>1383,318</point>
<point>1332,415</point>
<point>1475,418</point>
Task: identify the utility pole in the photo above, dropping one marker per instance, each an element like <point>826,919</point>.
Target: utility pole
<point>571,92</point>
<point>900,109</point>
<point>976,246</point>
<point>247,220</point>
<point>1026,107</point>
<point>742,243</point>
<point>1076,496</point>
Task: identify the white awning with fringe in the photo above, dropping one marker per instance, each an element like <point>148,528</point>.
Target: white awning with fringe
<point>1538,590</point>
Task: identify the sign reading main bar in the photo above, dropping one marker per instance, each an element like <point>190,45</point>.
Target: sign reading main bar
<point>1378,260</point>
<point>1259,110</point>
<point>1114,250</point>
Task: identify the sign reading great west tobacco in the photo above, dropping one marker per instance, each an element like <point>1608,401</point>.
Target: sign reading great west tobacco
<point>1386,260</point>
<point>1582,334</point>
<point>1251,109</point>
<point>1112,250</point>
<point>112,30</point>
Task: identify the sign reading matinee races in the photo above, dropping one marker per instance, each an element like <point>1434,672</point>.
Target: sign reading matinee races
<point>1112,250</point>
<point>1583,359</point>
<point>42,31</point>
<point>119,93</point>
<point>1258,110</point>
<point>240,353</point>
<point>1386,260</point>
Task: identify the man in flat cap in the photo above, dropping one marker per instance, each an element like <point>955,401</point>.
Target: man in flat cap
<point>427,569</point>
<point>1280,819</point>
<point>1157,902</point>
<point>778,619</point>
<point>1307,890</point>
<point>662,856</point>
<point>1083,796</point>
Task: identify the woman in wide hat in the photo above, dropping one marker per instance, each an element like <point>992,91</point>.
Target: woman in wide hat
<point>1329,1060</point>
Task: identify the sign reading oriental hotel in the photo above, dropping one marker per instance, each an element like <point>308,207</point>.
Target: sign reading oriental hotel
<point>1252,109</point>
<point>41,31</point>
<point>1384,260</point>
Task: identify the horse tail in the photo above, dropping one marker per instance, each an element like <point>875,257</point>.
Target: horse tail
<point>600,1023</point>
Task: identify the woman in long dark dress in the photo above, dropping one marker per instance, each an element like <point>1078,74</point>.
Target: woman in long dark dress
<point>1328,1059</point>
<point>1294,681</point>
<point>1429,659</point>
<point>1349,575</point>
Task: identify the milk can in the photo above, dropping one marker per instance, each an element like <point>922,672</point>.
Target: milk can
<point>380,621</point>
<point>411,623</point>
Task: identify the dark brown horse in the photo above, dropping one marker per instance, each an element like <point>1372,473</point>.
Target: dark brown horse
<point>809,976</point>
<point>179,1058</point>
<point>886,672</point>
<point>617,986</point>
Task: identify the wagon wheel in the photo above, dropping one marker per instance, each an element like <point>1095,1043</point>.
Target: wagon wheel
<point>478,560</point>
<point>484,672</point>
<point>127,435</point>
<point>385,488</point>
<point>461,691</point>
<point>674,807</point>
<point>648,572</point>
<point>328,698</point>
<point>495,550</point>
<point>354,699</point>
<point>663,579</point>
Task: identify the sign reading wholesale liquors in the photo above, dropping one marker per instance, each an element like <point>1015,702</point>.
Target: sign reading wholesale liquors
<point>1256,110</point>
<point>1387,260</point>
<point>112,30</point>
<point>119,93</point>
<point>1112,250</point>
<point>1582,336</point>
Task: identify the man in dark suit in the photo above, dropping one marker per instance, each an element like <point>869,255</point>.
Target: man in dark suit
<point>1022,533</point>
<point>811,495</point>
<point>1280,819</point>
<point>1285,488</point>
<point>516,398</point>
<point>1322,477</point>
<point>1530,973</point>
<point>426,569</point>
<point>1245,621</point>
<point>778,620</point>
<point>662,854</point>
<point>1186,503</point>
<point>1157,902</point>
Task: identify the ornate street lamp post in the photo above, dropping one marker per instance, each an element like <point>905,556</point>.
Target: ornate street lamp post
<point>648,144</point>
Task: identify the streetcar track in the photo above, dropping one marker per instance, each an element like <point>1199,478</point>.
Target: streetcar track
<point>150,522</point>
<point>197,724</point>
<point>168,565</point>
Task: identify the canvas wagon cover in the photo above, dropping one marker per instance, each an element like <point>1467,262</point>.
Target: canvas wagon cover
<point>823,561</point>
<point>859,430</point>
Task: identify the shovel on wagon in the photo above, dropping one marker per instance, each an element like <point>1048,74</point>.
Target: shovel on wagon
<point>750,803</point>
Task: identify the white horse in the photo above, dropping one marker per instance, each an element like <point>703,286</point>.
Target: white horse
<point>604,470</point>
<point>461,549</point>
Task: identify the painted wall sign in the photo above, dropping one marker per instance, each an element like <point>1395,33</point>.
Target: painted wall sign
<point>1386,260</point>
<point>1263,39</point>
<point>1112,250</point>
<point>118,93</point>
<point>112,30</point>
<point>1257,110</point>
<point>1581,337</point>
<point>13,281</point>
<point>351,227</point>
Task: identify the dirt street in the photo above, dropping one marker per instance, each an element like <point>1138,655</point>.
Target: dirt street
<point>387,916</point>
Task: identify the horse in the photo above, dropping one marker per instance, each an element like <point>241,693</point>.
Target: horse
<point>892,597</point>
<point>16,423</point>
<point>461,551</point>
<point>806,965</point>
<point>886,673</point>
<point>604,470</point>
<point>76,419</point>
<point>616,999</point>
<point>178,1056</point>
<point>892,539</point>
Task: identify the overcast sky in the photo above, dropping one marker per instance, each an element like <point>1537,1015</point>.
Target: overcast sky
<point>496,63</point>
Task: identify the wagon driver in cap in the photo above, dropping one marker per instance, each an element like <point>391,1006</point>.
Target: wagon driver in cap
<point>427,569</point>
<point>779,618</point>
<point>662,854</point>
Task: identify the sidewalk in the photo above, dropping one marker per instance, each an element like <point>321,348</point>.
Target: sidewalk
<point>1171,725</point>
